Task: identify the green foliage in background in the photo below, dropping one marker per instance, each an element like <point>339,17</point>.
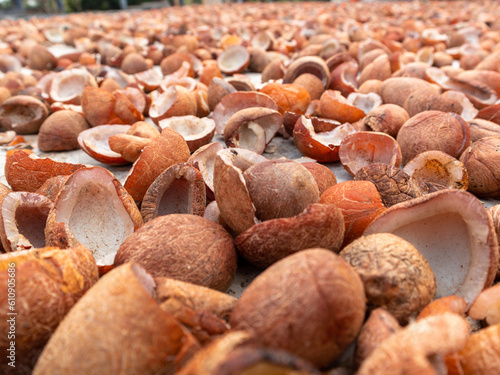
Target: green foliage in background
<point>84,5</point>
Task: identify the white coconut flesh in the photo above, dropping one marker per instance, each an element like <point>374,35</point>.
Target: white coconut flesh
<point>330,138</point>
<point>97,138</point>
<point>95,214</point>
<point>68,85</point>
<point>233,58</point>
<point>364,102</point>
<point>190,127</point>
<point>451,229</point>
<point>163,102</point>
<point>19,114</point>
<point>251,137</point>
<point>176,198</point>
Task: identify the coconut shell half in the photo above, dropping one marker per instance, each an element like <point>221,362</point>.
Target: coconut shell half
<point>453,231</point>
<point>94,209</point>
<point>117,325</point>
<point>48,282</point>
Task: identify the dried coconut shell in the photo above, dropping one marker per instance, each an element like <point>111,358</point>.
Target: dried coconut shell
<point>184,247</point>
<point>316,278</point>
<point>59,132</point>
<point>94,209</point>
<point>49,281</point>
<point>164,151</point>
<point>395,274</point>
<point>25,171</point>
<point>317,226</point>
<point>410,350</point>
<point>145,342</point>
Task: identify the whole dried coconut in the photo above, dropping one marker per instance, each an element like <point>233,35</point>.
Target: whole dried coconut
<point>395,274</point>
<point>185,247</point>
<point>316,278</point>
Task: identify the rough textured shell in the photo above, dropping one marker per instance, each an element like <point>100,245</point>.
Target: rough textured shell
<point>280,188</point>
<point>318,279</point>
<point>148,341</point>
<point>434,218</point>
<point>479,355</point>
<point>482,161</point>
<point>317,226</point>
<point>359,202</point>
<point>164,151</point>
<point>49,282</point>
<point>395,274</point>
<point>26,172</point>
<point>184,247</point>
<point>408,350</point>
<point>434,130</point>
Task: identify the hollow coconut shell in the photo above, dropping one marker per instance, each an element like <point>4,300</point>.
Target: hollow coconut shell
<point>316,278</point>
<point>144,341</point>
<point>48,282</point>
<point>453,231</point>
<point>411,349</point>
<point>235,353</point>
<point>22,221</point>
<point>179,189</point>
<point>93,209</point>
<point>185,247</point>
<point>318,225</point>
<point>25,171</point>
<point>164,151</point>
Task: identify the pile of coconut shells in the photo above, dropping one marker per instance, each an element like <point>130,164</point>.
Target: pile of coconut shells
<point>278,188</point>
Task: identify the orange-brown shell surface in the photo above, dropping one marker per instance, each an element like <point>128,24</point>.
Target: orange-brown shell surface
<point>184,247</point>
<point>316,278</point>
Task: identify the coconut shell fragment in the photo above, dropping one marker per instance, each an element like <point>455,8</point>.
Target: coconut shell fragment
<point>317,226</point>
<point>236,353</point>
<point>22,221</point>
<point>412,349</point>
<point>180,189</point>
<point>184,247</point>
<point>280,188</point>
<point>59,132</point>
<point>479,356</point>
<point>146,342</point>
<point>453,231</point>
<point>93,209</point>
<point>164,151</point>
<point>482,161</point>
<point>379,326</point>
<point>359,202</point>
<point>231,192</point>
<point>197,297</point>
<point>25,171</point>
<point>434,130</point>
<point>49,281</point>
<point>393,184</point>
